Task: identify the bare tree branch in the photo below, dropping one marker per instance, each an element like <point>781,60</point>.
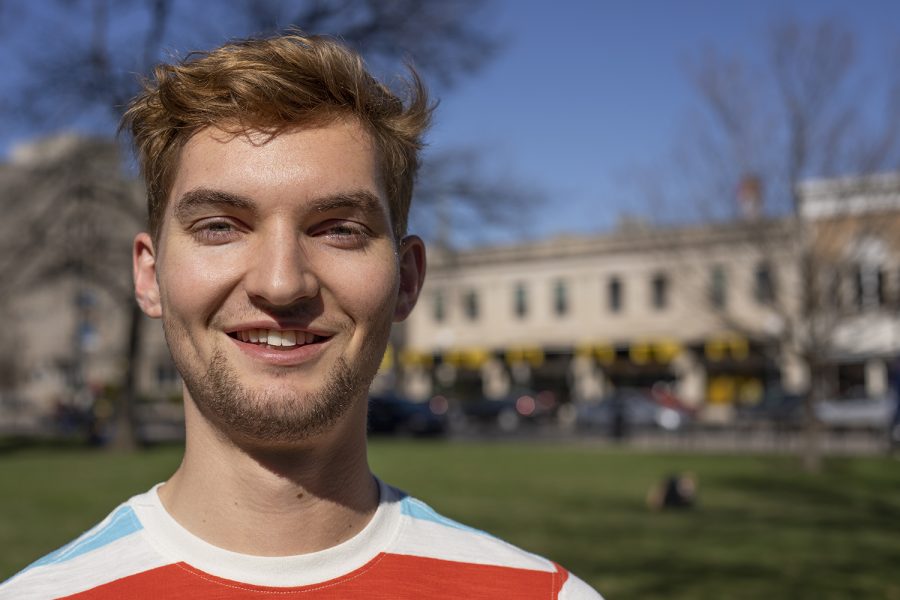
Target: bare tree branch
<point>82,211</point>
<point>806,112</point>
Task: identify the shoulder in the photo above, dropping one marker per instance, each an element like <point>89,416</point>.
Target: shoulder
<point>111,549</point>
<point>425,532</point>
<point>466,552</point>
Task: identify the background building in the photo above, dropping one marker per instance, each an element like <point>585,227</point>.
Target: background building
<point>66,295</point>
<point>710,314</point>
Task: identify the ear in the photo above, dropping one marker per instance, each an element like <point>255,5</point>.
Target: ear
<point>412,275</point>
<point>146,288</point>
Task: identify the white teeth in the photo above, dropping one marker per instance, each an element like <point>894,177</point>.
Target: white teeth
<point>274,337</point>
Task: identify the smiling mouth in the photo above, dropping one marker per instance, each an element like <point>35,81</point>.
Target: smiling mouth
<point>277,339</point>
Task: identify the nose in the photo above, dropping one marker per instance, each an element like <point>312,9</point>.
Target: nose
<point>281,272</point>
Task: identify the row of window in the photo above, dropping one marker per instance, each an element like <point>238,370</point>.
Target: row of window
<point>860,287</point>
<point>660,292</point>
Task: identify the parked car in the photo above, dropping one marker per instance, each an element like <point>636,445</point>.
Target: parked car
<point>776,409</point>
<point>510,413</point>
<point>393,414</point>
<point>500,414</point>
<point>872,414</point>
<point>628,410</point>
<point>786,411</point>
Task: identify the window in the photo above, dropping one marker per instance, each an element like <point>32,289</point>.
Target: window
<point>614,294</point>
<point>869,283</point>
<point>520,301</point>
<point>659,291</point>
<point>765,287</point>
<point>859,287</point>
<point>439,310</point>
<point>470,305</point>
<point>717,287</point>
<point>560,298</point>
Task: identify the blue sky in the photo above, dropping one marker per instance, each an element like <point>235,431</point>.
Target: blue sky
<point>587,93</point>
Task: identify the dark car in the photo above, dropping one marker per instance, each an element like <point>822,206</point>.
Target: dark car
<point>393,414</point>
<point>625,411</point>
<point>776,409</point>
<point>510,413</point>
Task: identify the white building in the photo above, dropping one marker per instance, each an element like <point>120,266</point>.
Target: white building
<point>704,309</point>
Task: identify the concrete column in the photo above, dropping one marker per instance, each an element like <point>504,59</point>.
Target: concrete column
<point>794,372</point>
<point>589,382</point>
<point>876,378</point>
<point>690,385</point>
<point>495,380</point>
<point>417,384</point>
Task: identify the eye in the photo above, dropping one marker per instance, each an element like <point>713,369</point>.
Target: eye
<point>215,231</point>
<point>345,234</point>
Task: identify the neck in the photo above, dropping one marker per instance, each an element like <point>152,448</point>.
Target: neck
<point>272,502</point>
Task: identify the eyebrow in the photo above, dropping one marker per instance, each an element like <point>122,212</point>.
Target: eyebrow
<point>200,198</point>
<point>361,200</point>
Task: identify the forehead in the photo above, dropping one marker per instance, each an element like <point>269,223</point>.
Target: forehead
<point>297,164</point>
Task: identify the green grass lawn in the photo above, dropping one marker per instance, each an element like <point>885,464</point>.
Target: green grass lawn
<point>762,529</point>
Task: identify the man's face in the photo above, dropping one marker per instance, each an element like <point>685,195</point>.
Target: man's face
<point>277,277</point>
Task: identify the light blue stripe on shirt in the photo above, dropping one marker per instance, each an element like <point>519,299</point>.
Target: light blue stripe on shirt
<point>123,522</point>
<point>419,510</point>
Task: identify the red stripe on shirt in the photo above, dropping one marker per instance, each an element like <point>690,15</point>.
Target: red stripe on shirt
<point>388,576</point>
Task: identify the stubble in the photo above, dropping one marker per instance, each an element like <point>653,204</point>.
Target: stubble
<point>275,415</point>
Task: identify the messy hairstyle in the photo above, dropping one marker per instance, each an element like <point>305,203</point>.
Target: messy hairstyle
<point>271,85</point>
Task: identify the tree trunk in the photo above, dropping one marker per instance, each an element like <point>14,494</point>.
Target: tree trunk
<point>812,432</point>
<point>812,442</point>
<point>126,423</point>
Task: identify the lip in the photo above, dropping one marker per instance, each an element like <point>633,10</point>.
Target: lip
<point>283,358</point>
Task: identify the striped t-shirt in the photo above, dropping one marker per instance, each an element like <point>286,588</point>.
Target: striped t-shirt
<point>407,550</point>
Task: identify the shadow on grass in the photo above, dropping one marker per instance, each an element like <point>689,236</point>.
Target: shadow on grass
<point>826,536</point>
<point>838,498</point>
<point>11,445</point>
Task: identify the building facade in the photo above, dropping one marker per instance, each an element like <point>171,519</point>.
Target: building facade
<point>708,314</point>
<point>67,299</point>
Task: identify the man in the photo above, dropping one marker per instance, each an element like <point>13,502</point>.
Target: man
<point>279,175</point>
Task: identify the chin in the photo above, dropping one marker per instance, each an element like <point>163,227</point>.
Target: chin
<point>274,414</point>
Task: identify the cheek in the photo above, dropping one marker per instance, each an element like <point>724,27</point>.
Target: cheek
<point>194,284</point>
<point>366,289</point>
